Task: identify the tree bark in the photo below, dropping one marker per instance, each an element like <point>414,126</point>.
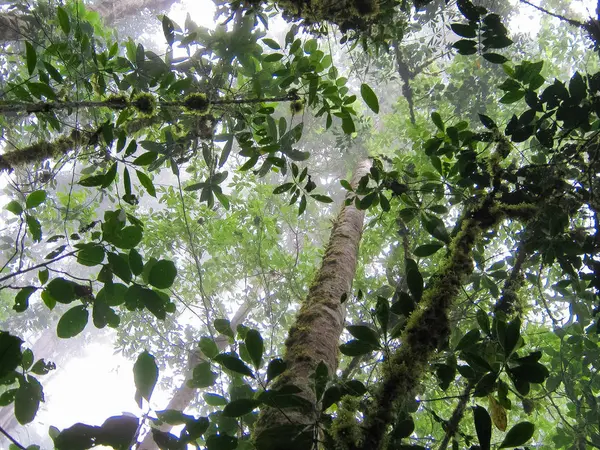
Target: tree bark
<point>184,394</point>
<point>12,27</point>
<point>315,335</point>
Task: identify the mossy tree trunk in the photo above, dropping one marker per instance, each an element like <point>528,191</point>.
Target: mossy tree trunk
<point>315,335</point>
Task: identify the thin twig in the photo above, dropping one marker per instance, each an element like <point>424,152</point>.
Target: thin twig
<point>11,439</point>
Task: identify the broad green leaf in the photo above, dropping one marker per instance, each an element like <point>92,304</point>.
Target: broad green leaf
<point>34,227</point>
<point>276,367</point>
<point>254,345</point>
<point>31,57</point>
<point>436,118</point>
<point>356,347</point>
<point>90,254</point>
<point>234,364</point>
<point>223,326</point>
<point>483,427</point>
<point>10,353</point>
<point>214,399</point>
<point>427,249</point>
<point>22,298</point>
<point>145,376</point>
<point>61,290</point>
<point>202,376</point>
<point>364,333</point>
<point>369,97</point>
<point>153,302</point>
<point>36,198</point>
<point>208,347</point>
<point>27,400</point>
<point>168,30</point>
<point>63,19</point>
<point>162,275</point>
<point>238,408</point>
<point>14,207</point>
<point>518,435</point>
<point>146,182</point>
<point>119,265</point>
<point>271,44</point>
<point>135,262</point>
<point>72,322</point>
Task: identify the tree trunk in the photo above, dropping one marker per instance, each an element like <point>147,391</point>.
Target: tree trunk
<point>315,335</point>
<point>184,394</point>
<point>12,27</point>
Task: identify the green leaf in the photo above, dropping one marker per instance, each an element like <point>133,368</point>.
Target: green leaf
<point>146,182</point>
<point>436,118</point>
<point>202,376</point>
<point>40,90</point>
<point>10,353</point>
<point>34,199</point>
<point>61,290</point>
<point>348,125</point>
<point>238,408</point>
<point>234,364</point>
<point>72,322</point>
<point>119,265</point>
<point>283,188</point>
<point>94,180</point>
<point>221,442</point>
<point>275,368</point>
<point>469,339</point>
<point>483,426</point>
<point>427,249</point>
<point>90,254</point>
<point>487,122</point>
<point>135,262</point>
<point>34,227</point>
<point>14,207</point>
<point>214,399</point>
<point>356,347</point>
<point>153,302</point>
<point>27,400</point>
<point>518,435</point>
<point>168,30</point>
<point>512,96</point>
<point>31,57</point>
<point>109,176</point>
<point>364,333</point>
<point>223,326</point>
<point>145,159</point>
<point>468,31</point>
<point>495,58</point>
<point>322,198</point>
<point>162,275</point>
<point>271,43</point>
<point>41,367</point>
<point>208,347</point>
<point>55,74</point>
<point>145,376</point>
<point>22,298</point>
<point>369,97</point>
<point>414,279</point>
<point>254,345</point>
<point>63,19</point>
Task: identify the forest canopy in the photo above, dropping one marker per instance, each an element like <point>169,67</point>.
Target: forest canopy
<point>353,224</point>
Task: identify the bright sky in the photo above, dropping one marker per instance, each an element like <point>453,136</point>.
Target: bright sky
<point>100,384</point>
